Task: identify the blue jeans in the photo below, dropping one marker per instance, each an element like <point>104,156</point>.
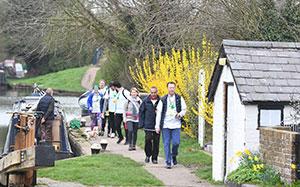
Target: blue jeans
<point>170,135</point>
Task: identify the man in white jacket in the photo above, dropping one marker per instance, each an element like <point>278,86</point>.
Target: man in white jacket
<point>170,111</point>
<point>122,99</point>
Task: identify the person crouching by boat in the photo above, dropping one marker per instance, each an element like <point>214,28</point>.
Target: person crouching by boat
<point>95,106</point>
<point>46,106</point>
<point>131,117</point>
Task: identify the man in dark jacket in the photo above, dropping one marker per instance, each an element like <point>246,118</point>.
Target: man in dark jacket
<point>46,105</point>
<point>147,115</point>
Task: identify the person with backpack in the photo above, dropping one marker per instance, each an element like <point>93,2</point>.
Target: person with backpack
<point>95,103</point>
<point>122,99</point>
<point>147,115</point>
<point>131,117</point>
<point>110,106</point>
<point>170,111</point>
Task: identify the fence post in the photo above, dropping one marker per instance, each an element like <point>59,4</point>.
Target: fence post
<point>201,120</point>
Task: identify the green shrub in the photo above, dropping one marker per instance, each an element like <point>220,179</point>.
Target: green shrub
<point>252,170</point>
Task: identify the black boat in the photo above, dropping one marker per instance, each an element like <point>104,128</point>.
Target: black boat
<point>27,105</point>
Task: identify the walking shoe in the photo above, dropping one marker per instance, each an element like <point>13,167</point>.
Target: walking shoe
<point>130,148</point>
<point>119,141</point>
<point>147,159</point>
<point>168,166</point>
<point>108,135</point>
<point>174,160</point>
<point>102,133</point>
<point>133,147</point>
<point>112,135</point>
<point>154,161</point>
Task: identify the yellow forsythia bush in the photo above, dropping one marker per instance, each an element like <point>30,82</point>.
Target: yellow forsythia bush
<point>182,67</point>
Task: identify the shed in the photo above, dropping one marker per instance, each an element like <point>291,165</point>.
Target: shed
<point>251,86</point>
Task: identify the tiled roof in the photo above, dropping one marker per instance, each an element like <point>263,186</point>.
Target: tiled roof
<point>263,71</point>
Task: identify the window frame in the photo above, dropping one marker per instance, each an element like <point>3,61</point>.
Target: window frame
<point>270,107</point>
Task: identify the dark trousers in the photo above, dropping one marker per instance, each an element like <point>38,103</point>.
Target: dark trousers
<point>132,132</point>
<point>119,121</point>
<point>46,131</point>
<point>152,144</point>
<point>103,123</point>
<point>111,123</point>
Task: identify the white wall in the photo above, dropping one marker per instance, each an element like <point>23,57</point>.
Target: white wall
<point>235,128</point>
<point>218,134</point>
<point>235,131</point>
<point>251,131</point>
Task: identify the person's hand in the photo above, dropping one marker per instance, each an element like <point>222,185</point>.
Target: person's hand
<point>157,130</point>
<point>178,116</point>
<point>102,115</point>
<point>141,126</point>
<point>43,120</point>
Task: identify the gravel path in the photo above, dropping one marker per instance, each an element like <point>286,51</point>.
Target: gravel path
<point>89,77</point>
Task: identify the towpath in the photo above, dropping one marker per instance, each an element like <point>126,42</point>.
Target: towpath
<point>89,77</point>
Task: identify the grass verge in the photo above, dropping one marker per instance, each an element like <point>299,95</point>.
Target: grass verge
<point>190,155</point>
<point>104,169</point>
<point>66,80</point>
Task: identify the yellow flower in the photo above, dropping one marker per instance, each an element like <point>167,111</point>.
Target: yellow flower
<point>231,160</point>
<point>256,159</point>
<point>255,168</point>
<point>259,166</point>
<point>293,166</point>
<point>262,166</point>
<point>239,154</point>
<point>247,151</point>
<point>250,158</point>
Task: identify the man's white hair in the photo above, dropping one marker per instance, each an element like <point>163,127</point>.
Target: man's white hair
<point>49,91</point>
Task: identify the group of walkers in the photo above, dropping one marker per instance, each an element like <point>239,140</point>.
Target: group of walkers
<point>125,109</point>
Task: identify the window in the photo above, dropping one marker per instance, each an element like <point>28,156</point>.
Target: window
<point>270,116</point>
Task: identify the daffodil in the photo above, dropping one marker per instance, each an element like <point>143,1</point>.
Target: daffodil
<point>247,151</point>
<point>256,159</point>
<point>255,168</point>
<point>250,158</point>
<point>293,166</point>
<point>239,154</point>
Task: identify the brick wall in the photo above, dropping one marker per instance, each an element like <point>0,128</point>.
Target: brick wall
<point>280,148</point>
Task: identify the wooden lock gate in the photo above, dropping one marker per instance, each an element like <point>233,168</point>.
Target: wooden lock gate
<point>18,167</point>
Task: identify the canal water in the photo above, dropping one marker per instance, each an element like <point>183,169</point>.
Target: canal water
<point>8,97</point>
